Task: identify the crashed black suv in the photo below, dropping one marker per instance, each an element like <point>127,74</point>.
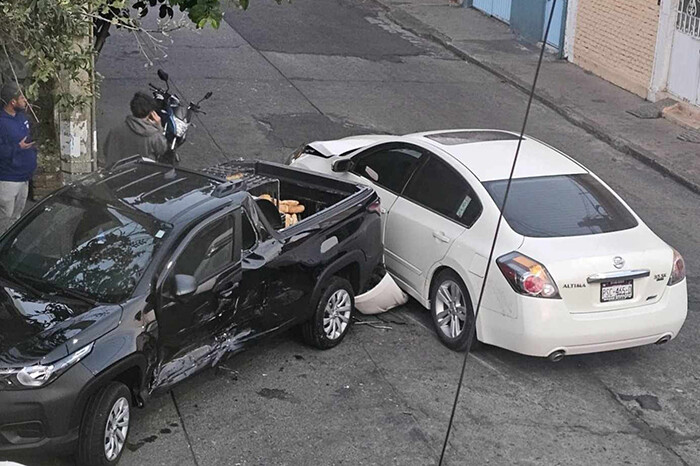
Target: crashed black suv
<point>129,281</point>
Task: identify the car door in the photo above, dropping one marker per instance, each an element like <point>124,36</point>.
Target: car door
<point>387,168</point>
<point>435,208</point>
<point>189,325</point>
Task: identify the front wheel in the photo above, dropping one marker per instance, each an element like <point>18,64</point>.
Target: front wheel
<point>452,312</point>
<point>105,426</point>
<point>333,316</point>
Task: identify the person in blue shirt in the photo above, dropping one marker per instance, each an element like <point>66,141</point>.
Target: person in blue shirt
<point>17,155</point>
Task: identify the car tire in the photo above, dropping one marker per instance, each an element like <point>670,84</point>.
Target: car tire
<point>333,315</point>
<point>448,286</point>
<point>98,430</point>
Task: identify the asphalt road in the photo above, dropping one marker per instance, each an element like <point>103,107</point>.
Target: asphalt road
<point>316,69</point>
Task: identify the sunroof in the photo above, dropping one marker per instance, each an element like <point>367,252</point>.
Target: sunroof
<point>467,137</point>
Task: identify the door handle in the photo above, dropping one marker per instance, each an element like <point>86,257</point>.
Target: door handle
<point>440,236</point>
<point>228,291</point>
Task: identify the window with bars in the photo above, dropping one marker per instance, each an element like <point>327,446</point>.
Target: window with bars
<point>688,18</point>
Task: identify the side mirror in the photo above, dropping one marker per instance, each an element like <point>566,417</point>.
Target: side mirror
<point>185,285</point>
<point>342,165</point>
<point>163,75</point>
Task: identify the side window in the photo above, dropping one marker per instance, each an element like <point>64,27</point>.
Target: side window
<point>389,167</point>
<point>440,188</point>
<point>248,235</point>
<point>208,252</point>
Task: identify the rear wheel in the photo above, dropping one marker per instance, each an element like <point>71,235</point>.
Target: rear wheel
<point>333,316</point>
<point>105,426</point>
<point>451,309</point>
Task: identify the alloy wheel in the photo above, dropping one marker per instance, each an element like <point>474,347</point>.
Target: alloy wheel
<point>450,309</point>
<point>337,314</point>
<point>116,429</point>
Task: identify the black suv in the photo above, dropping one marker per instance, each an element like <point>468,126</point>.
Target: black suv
<point>127,282</point>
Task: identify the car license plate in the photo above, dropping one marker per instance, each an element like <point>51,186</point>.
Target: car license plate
<point>616,290</point>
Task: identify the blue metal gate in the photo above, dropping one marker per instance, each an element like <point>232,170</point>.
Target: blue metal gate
<point>554,36</point>
<point>498,8</point>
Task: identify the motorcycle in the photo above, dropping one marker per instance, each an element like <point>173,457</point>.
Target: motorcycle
<point>174,117</point>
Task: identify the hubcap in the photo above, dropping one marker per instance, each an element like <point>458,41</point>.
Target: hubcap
<point>116,429</point>
<point>450,309</point>
<point>337,314</point>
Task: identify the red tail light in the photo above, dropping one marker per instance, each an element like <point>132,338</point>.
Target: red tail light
<point>678,270</point>
<point>527,276</point>
<point>375,207</point>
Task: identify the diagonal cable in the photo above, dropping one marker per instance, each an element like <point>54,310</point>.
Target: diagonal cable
<point>472,329</point>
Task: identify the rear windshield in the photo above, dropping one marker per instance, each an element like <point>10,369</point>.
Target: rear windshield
<point>562,205</point>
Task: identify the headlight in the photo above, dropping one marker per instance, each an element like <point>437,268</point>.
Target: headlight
<point>40,375</point>
<point>180,127</point>
<point>296,154</point>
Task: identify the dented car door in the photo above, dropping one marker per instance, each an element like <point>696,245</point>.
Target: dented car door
<point>198,299</point>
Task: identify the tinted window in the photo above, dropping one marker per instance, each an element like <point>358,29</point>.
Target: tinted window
<point>208,252</point>
<point>566,205</point>
<point>440,188</point>
<point>84,247</point>
<point>388,167</point>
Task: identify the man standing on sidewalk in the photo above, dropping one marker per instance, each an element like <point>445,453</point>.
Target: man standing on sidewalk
<point>17,155</point>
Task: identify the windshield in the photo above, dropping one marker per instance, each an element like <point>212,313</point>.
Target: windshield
<point>84,247</point>
<point>562,205</point>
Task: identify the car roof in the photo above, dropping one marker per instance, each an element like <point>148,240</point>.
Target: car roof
<point>159,191</point>
<point>489,154</point>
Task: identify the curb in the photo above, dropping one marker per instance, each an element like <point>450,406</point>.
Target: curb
<point>420,29</point>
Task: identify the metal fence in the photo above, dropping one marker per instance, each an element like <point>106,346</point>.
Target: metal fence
<point>688,18</point>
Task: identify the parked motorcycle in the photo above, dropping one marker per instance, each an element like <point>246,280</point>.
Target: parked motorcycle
<point>174,117</point>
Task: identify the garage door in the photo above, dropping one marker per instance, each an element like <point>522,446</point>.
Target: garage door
<point>498,8</point>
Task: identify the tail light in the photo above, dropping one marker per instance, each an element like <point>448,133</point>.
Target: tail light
<point>527,276</point>
<point>375,207</point>
<point>678,270</point>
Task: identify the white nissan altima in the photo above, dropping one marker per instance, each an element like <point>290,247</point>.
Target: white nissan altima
<point>575,269</point>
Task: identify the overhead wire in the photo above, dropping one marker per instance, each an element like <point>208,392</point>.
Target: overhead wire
<point>472,329</point>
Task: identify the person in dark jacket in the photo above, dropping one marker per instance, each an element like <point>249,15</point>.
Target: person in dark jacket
<point>17,155</point>
<point>141,133</point>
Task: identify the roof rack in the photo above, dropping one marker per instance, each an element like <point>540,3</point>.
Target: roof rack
<point>133,159</point>
<point>229,187</point>
<point>242,175</point>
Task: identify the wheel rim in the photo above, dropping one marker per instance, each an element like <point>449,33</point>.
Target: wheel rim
<point>116,429</point>
<point>337,314</point>
<point>450,309</point>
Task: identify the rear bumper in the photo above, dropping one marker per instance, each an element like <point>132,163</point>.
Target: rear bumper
<point>544,326</point>
<point>42,420</point>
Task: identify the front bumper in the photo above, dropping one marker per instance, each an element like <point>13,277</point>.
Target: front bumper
<point>544,326</point>
<point>43,419</point>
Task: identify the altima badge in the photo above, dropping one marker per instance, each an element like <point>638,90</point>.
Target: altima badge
<point>618,262</point>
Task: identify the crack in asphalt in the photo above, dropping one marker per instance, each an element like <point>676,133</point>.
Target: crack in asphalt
<point>646,431</point>
<point>424,436</point>
<point>289,81</point>
<point>184,428</point>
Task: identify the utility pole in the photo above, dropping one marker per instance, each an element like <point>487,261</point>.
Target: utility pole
<point>75,125</point>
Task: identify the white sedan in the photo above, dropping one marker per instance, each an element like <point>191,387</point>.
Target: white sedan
<point>575,269</point>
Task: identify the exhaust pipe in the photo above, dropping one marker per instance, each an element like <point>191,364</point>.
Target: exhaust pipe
<point>664,339</point>
<point>557,356</point>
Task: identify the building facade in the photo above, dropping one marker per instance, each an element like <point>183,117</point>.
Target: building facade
<point>529,18</point>
<point>649,47</point>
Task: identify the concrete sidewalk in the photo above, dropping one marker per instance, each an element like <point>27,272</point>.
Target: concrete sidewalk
<point>587,101</point>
